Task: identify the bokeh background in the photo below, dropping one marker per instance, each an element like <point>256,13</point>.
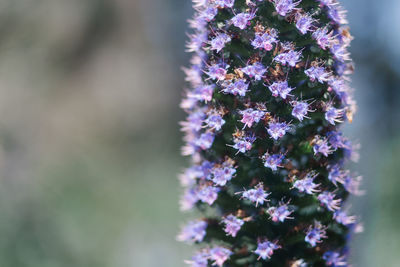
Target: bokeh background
<point>89,136</point>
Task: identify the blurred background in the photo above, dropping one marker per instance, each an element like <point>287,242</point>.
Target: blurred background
<point>89,136</point>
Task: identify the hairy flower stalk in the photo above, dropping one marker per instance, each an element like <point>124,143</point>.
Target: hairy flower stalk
<point>268,89</point>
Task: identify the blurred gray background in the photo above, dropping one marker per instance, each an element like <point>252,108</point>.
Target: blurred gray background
<point>89,138</point>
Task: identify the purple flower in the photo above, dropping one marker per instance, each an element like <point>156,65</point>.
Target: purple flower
<point>280,213</point>
<point>209,13</point>
<point>290,58</point>
<point>334,259</point>
<point>196,42</point>
<point>304,23</point>
<point>336,175</point>
<point>300,110</point>
<point>307,184</point>
<point>208,194</point>
<point>333,115</point>
<point>188,199</point>
<point>352,184</point>
<point>243,144</point>
<point>251,116</point>
<point>221,175</point>
<point>315,234</point>
<point>321,146</point>
<point>200,259</point>
<point>255,71</point>
<point>194,121</point>
<point>273,161</point>
<point>240,87</point>
<point>265,40</point>
<point>194,231</point>
<point>342,218</point>
<point>323,38</point>
<point>340,52</point>
<point>218,43</point>
<point>266,249</point>
<point>280,88</point>
<point>337,14</point>
<point>203,93</point>
<point>241,20</point>
<point>277,129</point>
<point>284,7</point>
<point>225,3</point>
<point>232,225</point>
<point>328,200</point>
<point>256,195</point>
<point>214,121</point>
<point>205,140</point>
<point>217,72</point>
<point>219,255</point>
<point>317,73</point>
<point>336,140</point>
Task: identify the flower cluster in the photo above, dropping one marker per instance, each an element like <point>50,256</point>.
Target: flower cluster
<point>268,88</point>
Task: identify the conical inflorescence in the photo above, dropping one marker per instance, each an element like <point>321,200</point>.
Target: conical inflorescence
<point>268,88</point>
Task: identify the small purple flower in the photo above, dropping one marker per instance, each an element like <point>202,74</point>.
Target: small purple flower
<point>194,121</point>
<point>283,7</point>
<point>208,194</point>
<point>194,231</point>
<point>337,14</point>
<point>225,3</point>
<point>317,73</point>
<point>221,175</point>
<point>336,175</point>
<point>214,121</point>
<point>280,88</point>
<point>304,23</point>
<point>209,13</point>
<point>218,43</point>
<point>205,140</point>
<point>200,259</point>
<point>203,93</point>
<point>251,116</point>
<point>334,259</point>
<point>307,184</point>
<point>273,161</point>
<point>323,38</point>
<point>265,249</point>
<point>265,40</point>
<point>243,144</point>
<point>352,184</point>
<point>193,75</point>
<point>342,218</point>
<point>188,199</point>
<point>232,225</point>
<point>196,42</point>
<point>328,200</point>
<point>256,195</point>
<point>290,58</point>
<point>315,234</point>
<point>255,71</point>
<point>340,52</point>
<point>280,213</point>
<point>217,72</point>
<point>336,140</point>
<point>219,255</point>
<point>241,20</point>
<point>333,115</point>
<point>300,109</point>
<point>277,129</point>
<point>321,146</point>
<point>240,87</point>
